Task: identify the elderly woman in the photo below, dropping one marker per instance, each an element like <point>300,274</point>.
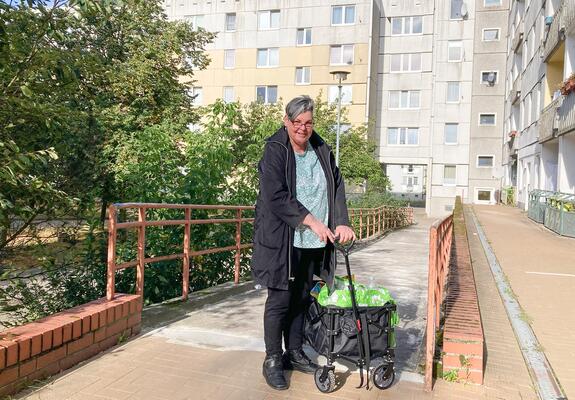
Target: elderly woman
<point>300,211</point>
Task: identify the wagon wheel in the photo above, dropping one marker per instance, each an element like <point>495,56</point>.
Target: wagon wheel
<point>328,384</point>
<point>383,376</point>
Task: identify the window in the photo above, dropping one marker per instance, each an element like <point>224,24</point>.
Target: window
<point>449,174</point>
<point>491,3</point>
<point>195,20</point>
<point>403,99</point>
<point>489,77</point>
<point>229,58</point>
<point>452,92</point>
<point>346,94</point>
<point>402,136</point>
<point>410,180</point>
<point>455,12</point>
<point>302,75</point>
<point>303,37</point>
<point>197,94</point>
<point>406,26</point>
<point>268,57</point>
<point>229,96</point>
<point>484,161</point>
<point>490,34</point>
<point>486,119</point>
<point>405,62</point>
<point>450,133</point>
<point>455,51</point>
<point>230,22</point>
<point>266,94</point>
<point>484,195</point>
<point>343,15</point>
<point>341,55</point>
<point>269,19</point>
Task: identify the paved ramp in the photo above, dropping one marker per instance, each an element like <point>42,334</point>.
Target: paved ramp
<point>397,261</point>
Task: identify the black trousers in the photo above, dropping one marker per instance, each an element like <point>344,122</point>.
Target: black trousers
<point>284,309</point>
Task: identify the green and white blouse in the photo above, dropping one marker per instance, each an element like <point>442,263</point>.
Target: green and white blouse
<point>311,191</point>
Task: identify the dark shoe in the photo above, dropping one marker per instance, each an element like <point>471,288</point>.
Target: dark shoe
<point>274,372</point>
<point>298,360</point>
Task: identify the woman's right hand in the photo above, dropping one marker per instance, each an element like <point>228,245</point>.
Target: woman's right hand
<point>319,228</point>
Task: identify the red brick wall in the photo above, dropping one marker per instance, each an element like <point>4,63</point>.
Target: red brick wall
<point>463,340</point>
<point>55,343</point>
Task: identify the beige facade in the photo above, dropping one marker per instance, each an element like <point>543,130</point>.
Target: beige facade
<point>340,39</point>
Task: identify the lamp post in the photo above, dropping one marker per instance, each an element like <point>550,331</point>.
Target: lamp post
<point>340,76</point>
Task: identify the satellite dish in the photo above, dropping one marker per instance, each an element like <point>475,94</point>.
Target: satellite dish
<point>491,78</point>
<point>464,10</point>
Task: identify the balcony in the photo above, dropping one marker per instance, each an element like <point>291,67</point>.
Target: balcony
<point>515,93</point>
<point>563,22</point>
<point>548,120</point>
<point>517,38</point>
<point>566,114</point>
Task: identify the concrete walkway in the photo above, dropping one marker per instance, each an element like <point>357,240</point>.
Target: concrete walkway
<point>540,267</point>
<point>212,348</point>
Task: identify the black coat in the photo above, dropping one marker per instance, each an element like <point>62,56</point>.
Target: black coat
<point>278,212</point>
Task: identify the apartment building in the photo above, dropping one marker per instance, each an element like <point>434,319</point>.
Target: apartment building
<point>539,144</point>
<point>430,75</point>
<point>267,50</point>
<point>441,90</point>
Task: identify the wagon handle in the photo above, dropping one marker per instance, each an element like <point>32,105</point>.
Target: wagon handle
<point>345,248</point>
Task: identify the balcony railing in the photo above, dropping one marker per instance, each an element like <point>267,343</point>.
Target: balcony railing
<point>515,90</point>
<point>548,120</point>
<point>563,21</point>
<point>566,114</point>
<point>517,38</point>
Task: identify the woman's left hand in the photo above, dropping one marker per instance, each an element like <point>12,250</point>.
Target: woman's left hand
<point>344,233</point>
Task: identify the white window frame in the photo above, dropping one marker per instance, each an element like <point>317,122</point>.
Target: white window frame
<point>346,98</point>
<point>484,189</point>
<point>406,131</point>
<point>403,25</point>
<point>267,87</point>
<point>304,75</point>
<point>458,93</point>
<point>233,64</point>
<point>482,82</point>
<point>195,20</point>
<point>450,44</point>
<point>491,5</point>
<point>269,50</point>
<point>227,88</point>
<point>487,113</point>
<point>341,53</point>
<point>491,29</point>
<point>454,179</point>
<point>485,166</point>
<point>197,91</point>
<point>445,142</point>
<point>409,100</point>
<point>269,20</point>
<point>343,10</point>
<point>305,30</point>
<point>403,57</point>
<point>226,28</point>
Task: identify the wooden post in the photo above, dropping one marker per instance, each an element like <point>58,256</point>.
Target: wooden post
<point>238,244</point>
<point>186,260</point>
<point>379,220</point>
<point>111,273</point>
<point>431,280</point>
<point>360,223</point>
<point>141,251</point>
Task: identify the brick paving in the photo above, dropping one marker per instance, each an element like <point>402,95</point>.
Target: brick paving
<point>159,367</point>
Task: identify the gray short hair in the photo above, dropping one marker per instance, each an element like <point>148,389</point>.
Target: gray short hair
<point>299,105</point>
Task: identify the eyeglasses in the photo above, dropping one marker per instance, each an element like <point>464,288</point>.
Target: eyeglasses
<point>298,124</point>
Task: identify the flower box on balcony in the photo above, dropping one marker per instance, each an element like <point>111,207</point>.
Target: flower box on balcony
<point>568,85</point>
